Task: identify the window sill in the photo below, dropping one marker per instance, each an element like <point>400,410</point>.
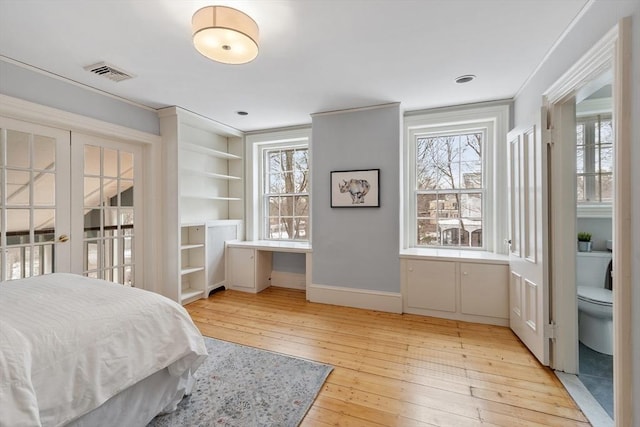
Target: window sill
<point>454,255</point>
<point>594,211</point>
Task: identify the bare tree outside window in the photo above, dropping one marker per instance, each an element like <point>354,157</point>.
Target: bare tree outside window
<point>449,190</point>
<point>286,194</point>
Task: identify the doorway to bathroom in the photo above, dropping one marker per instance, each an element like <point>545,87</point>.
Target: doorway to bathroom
<point>594,196</point>
<point>587,121</point>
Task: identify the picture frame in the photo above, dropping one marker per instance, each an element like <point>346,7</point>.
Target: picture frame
<point>358,188</point>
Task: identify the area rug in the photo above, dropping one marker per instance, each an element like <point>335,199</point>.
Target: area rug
<point>244,387</point>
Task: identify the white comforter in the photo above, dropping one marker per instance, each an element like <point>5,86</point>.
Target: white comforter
<point>68,343</point>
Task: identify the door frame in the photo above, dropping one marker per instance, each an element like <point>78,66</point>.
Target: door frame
<point>27,111</point>
<point>612,51</point>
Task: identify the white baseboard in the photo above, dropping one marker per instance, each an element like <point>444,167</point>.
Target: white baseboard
<point>358,298</point>
<point>284,279</point>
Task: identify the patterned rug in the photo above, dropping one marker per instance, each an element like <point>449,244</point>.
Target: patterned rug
<point>244,387</point>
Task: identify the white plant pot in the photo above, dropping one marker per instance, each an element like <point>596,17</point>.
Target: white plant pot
<point>584,246</point>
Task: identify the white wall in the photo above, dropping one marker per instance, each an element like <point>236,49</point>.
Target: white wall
<point>601,16</point>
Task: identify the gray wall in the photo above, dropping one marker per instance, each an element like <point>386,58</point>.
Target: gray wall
<point>601,16</point>
<point>601,230</point>
<point>23,83</point>
<point>289,262</point>
<point>357,247</point>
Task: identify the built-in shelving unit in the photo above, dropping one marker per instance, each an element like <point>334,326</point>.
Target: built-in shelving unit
<point>193,255</point>
<point>203,184</point>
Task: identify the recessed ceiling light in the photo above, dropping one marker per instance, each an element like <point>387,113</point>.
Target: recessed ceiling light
<point>241,113</point>
<point>465,79</point>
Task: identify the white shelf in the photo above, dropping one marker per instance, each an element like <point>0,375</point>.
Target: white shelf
<point>210,174</point>
<point>209,151</point>
<point>188,270</point>
<point>192,224</point>
<point>186,247</point>
<point>186,196</point>
<point>188,294</point>
<point>203,183</point>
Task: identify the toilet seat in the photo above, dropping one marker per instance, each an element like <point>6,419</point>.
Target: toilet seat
<point>600,296</point>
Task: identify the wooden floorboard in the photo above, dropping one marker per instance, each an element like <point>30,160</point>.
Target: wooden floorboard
<point>392,369</point>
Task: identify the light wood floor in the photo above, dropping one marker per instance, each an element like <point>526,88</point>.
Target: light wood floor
<point>395,370</point>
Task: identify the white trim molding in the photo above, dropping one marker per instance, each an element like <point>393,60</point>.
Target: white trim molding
<point>390,302</point>
<point>612,51</point>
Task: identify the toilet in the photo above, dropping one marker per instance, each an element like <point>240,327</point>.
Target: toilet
<point>595,300</point>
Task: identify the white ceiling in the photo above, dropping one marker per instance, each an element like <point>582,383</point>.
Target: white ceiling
<point>315,55</point>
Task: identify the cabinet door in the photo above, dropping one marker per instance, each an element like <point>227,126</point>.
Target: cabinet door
<point>431,285</point>
<point>484,290</point>
<point>242,272</point>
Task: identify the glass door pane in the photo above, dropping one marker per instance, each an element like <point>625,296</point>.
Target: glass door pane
<point>109,206</point>
<point>34,198</point>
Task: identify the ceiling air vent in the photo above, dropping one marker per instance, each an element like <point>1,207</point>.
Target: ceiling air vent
<point>109,71</point>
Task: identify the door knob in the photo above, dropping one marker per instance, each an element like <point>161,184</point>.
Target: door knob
<point>63,238</point>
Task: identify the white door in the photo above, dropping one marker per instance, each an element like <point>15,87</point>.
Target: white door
<point>34,200</point>
<point>107,210</point>
<point>528,287</point>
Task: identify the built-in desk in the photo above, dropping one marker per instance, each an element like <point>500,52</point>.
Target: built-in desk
<point>250,263</point>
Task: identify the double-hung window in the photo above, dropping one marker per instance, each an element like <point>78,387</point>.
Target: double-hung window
<point>594,155</point>
<point>285,204</point>
<point>449,188</point>
<point>278,173</point>
<point>455,169</point>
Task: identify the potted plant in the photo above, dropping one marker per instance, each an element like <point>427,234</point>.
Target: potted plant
<point>584,242</point>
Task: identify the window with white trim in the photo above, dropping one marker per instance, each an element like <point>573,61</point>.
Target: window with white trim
<point>277,174</point>
<point>455,179</point>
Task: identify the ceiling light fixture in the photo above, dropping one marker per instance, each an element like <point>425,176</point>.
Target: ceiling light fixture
<point>465,79</point>
<point>225,34</point>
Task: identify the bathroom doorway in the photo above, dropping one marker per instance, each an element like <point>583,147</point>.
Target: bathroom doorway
<point>594,196</point>
<point>605,63</point>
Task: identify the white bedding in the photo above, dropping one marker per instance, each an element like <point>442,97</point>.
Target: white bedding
<point>69,343</point>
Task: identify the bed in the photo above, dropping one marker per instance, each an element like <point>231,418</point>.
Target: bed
<point>86,352</point>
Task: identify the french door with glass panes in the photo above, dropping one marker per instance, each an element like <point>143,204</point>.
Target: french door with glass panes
<point>106,209</point>
<point>34,200</point>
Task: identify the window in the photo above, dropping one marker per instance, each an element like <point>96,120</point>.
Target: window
<point>286,193</point>
<point>455,179</point>
<point>594,159</point>
<point>449,189</point>
<point>277,173</point>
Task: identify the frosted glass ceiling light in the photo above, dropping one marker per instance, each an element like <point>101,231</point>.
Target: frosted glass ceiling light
<point>225,34</point>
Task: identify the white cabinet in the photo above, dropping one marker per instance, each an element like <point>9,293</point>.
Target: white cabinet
<point>248,269</point>
<point>456,289</point>
<point>432,285</point>
<point>202,172</point>
<point>484,290</point>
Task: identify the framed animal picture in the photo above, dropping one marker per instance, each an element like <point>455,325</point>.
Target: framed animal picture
<point>355,189</point>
